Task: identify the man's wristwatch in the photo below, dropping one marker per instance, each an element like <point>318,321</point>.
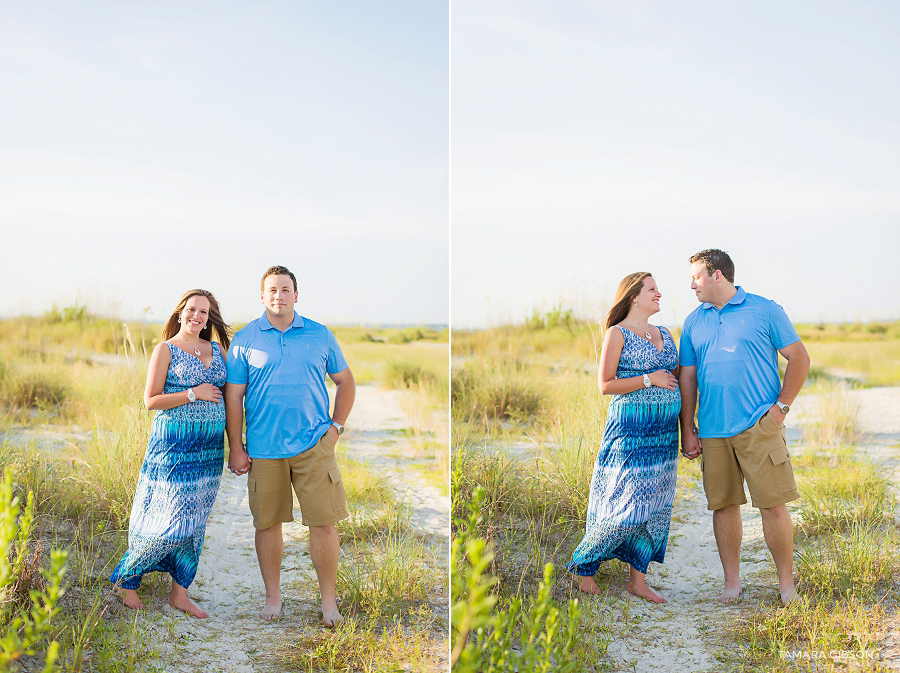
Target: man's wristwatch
<point>783,408</point>
<point>647,382</point>
<point>338,427</point>
<point>191,396</point>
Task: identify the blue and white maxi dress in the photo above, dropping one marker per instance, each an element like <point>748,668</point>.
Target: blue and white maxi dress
<point>633,484</point>
<point>179,478</point>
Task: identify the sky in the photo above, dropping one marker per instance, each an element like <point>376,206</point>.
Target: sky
<point>592,140</point>
<point>150,148</point>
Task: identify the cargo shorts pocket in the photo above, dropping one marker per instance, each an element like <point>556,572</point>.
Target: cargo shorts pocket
<point>781,467</point>
<point>338,499</point>
<point>768,425</point>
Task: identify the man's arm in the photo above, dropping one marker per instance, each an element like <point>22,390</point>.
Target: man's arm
<point>238,460</point>
<point>687,383</point>
<point>344,394</point>
<point>794,376</point>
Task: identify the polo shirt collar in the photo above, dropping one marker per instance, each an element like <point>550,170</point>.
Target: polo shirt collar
<point>265,324</point>
<point>738,298</point>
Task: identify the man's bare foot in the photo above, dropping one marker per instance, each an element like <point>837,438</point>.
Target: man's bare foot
<point>184,604</point>
<point>788,595</point>
<point>271,610</point>
<point>130,598</point>
<point>645,592</point>
<point>589,586</point>
<point>332,617</point>
<point>730,595</point>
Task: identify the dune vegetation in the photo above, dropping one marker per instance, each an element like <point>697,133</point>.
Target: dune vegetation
<point>527,418</point>
<point>73,430</point>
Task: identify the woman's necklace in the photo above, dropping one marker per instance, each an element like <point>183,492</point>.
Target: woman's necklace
<point>196,350</point>
<point>646,334</point>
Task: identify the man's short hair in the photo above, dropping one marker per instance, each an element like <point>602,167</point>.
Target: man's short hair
<point>715,259</point>
<point>276,271</point>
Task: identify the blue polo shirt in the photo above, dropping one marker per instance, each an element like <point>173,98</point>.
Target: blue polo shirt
<point>285,402</point>
<point>735,351</point>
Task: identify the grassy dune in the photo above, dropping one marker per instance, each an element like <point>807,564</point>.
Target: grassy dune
<point>527,418</point>
<point>73,427</point>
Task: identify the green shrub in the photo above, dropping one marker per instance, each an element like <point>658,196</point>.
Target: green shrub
<point>519,638</point>
<point>26,608</point>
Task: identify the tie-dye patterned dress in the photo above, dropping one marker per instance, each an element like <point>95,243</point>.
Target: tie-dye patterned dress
<point>179,478</point>
<point>633,485</point>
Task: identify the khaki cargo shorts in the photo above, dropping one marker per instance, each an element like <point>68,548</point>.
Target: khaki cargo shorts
<point>758,455</point>
<point>315,479</point>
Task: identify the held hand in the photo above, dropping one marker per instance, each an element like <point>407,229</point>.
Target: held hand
<point>663,378</point>
<point>208,392</point>
<point>690,444</point>
<point>238,461</point>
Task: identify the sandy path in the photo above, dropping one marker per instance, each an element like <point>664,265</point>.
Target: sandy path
<point>228,584</point>
<point>683,634</point>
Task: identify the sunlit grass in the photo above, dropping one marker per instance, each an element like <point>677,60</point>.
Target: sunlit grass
<point>876,362</point>
<point>82,378</point>
<point>369,645</point>
<point>527,421</point>
<point>839,492</point>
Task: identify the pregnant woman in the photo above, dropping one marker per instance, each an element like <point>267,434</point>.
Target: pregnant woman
<point>633,484</point>
<point>182,467</point>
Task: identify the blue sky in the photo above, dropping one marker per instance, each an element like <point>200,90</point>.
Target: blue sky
<point>153,147</point>
<point>591,140</point>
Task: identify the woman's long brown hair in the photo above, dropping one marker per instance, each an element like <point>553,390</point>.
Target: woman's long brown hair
<point>628,289</point>
<point>214,322</point>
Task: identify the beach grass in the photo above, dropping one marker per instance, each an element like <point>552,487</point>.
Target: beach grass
<point>526,423</point>
<point>73,426</point>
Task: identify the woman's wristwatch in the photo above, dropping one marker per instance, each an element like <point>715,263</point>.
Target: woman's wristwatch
<point>191,396</point>
<point>647,382</point>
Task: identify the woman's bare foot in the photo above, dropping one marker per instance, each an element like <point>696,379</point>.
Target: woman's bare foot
<point>179,600</point>
<point>589,586</point>
<point>638,587</point>
<point>185,605</point>
<point>130,598</point>
<point>271,610</point>
<point>645,592</point>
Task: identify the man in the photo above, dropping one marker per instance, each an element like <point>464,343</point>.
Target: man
<point>276,373</point>
<point>729,349</point>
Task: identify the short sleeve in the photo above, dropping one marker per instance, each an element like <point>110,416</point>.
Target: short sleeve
<point>781,331</point>
<point>236,364</point>
<point>335,362</point>
<point>687,356</point>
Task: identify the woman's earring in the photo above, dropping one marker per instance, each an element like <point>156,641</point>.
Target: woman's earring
<point>179,321</point>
